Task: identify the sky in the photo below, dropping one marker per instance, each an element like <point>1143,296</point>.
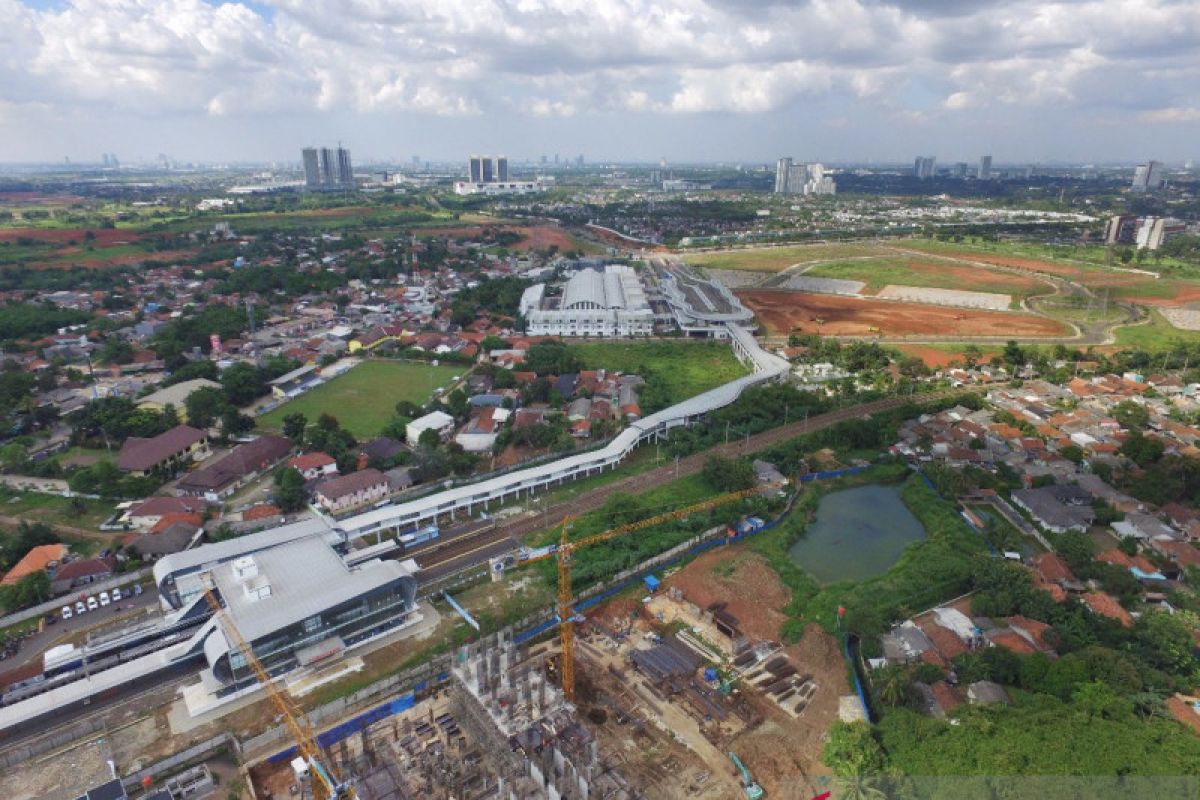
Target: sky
<point>1104,81</point>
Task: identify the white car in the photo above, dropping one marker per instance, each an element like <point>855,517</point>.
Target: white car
<point>80,608</point>
<point>104,599</point>
<point>92,603</point>
<point>116,595</point>
<point>66,612</point>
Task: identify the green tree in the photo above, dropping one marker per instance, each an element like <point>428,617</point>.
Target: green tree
<point>294,425</point>
<point>891,685</point>
<point>1131,415</point>
<point>852,750</point>
<point>243,383</point>
<point>429,439</point>
<point>289,490</point>
<point>205,406</point>
<point>728,475</point>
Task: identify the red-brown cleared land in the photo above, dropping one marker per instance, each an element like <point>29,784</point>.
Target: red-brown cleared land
<point>750,589</point>
<point>38,199</point>
<point>105,237</point>
<point>932,356</point>
<point>781,312</point>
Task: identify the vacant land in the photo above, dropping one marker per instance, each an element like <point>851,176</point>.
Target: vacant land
<point>364,399</point>
<point>1157,334</point>
<point>774,259</point>
<point>937,356</point>
<point>77,512</point>
<point>877,273</point>
<point>783,312</point>
<point>685,368</point>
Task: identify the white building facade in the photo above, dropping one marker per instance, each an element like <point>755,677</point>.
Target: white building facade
<point>595,303</point>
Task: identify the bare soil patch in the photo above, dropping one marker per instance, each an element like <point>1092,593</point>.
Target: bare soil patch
<point>744,582</point>
<point>781,312</point>
<point>105,237</point>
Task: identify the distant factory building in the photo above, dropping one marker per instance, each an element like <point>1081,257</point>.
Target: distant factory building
<point>608,302</point>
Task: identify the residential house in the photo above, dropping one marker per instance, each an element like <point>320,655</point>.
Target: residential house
<point>1143,527</point>
<point>353,490</point>
<point>82,572</point>
<point>243,463</point>
<point>382,449</point>
<point>172,538</point>
<point>1106,605</point>
<point>480,432</point>
<point>147,514</point>
<point>314,465</point>
<point>43,558</point>
<point>1057,508</point>
<point>438,421</point>
<point>167,453</point>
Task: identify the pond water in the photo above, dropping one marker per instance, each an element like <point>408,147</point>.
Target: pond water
<point>857,534</point>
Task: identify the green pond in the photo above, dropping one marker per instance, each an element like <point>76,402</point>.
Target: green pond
<point>857,534</point>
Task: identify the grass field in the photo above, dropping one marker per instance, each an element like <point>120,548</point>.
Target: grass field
<point>877,273</point>
<point>774,259</point>
<point>1157,334</point>
<point>685,368</point>
<point>364,399</point>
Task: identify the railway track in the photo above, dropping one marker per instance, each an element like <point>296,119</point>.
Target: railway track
<point>485,544</point>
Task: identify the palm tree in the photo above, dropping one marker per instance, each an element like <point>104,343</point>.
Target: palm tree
<point>859,787</point>
<point>891,685</point>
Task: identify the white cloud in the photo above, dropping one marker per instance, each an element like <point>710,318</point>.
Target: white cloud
<point>571,58</point>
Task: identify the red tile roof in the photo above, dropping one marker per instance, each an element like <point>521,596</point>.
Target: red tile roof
<point>1106,605</point>
<point>34,561</point>
<point>1036,630</point>
<point>1052,568</point>
<point>945,640</point>
<point>1010,640</point>
<point>311,461</point>
<point>260,511</point>
<point>945,695</point>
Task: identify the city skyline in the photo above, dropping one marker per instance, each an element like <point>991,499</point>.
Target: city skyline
<point>700,80</point>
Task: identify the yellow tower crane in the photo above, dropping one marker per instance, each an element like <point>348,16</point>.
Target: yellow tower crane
<point>326,784</point>
<point>565,549</point>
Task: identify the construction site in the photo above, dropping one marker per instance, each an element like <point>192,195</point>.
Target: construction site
<point>673,694</point>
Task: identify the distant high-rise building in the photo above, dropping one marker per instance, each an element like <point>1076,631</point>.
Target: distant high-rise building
<point>544,159</point>
<point>793,178</point>
<point>345,171</point>
<point>312,169</point>
<point>489,172</point>
<point>960,169</point>
<point>1153,232</point>
<point>925,166</point>
<point>476,169</point>
<point>985,168</point>
<point>1147,177</point>
<point>501,169</point>
<point>328,161</point>
<point>783,169</point>
<point>579,160</point>
<point>326,168</point>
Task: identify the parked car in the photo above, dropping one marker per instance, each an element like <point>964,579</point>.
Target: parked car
<point>51,619</point>
<point>137,588</point>
<point>80,608</point>
<point>66,612</point>
<point>116,595</point>
<point>104,600</point>
<point>92,603</point>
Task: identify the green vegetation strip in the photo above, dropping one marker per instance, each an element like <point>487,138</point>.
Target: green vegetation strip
<point>1156,335</point>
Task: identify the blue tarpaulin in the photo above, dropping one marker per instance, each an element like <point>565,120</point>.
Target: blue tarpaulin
<point>651,582</point>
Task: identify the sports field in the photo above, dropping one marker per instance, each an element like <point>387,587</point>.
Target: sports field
<point>364,399</point>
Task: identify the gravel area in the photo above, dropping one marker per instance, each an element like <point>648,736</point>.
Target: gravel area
<point>947,297</point>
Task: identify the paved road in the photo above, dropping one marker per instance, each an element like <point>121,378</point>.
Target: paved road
<point>127,611</point>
